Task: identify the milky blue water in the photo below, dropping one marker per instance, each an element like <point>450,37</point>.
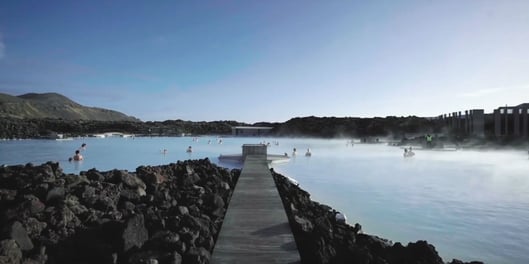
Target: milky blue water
<point>472,205</point>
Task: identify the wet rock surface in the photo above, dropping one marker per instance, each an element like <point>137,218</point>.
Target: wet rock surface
<point>322,236</point>
<point>157,214</point>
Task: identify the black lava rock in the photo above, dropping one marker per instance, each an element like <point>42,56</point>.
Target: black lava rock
<point>158,214</point>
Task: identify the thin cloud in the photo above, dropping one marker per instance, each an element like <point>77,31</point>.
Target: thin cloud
<point>482,92</point>
<point>2,47</point>
<point>515,89</point>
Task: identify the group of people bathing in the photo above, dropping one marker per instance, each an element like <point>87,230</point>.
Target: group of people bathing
<point>408,152</point>
<point>308,153</point>
<point>78,156</point>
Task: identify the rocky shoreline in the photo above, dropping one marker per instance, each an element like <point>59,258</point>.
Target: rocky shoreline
<point>163,214</point>
<point>157,214</point>
<point>323,236</point>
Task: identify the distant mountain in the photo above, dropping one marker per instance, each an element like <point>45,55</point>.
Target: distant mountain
<point>54,105</point>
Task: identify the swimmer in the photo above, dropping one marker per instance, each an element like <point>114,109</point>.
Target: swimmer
<point>77,156</point>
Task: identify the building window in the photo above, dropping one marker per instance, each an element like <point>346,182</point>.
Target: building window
<point>509,111</point>
<point>520,111</point>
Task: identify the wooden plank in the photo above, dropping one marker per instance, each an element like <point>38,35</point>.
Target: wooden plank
<point>255,228</point>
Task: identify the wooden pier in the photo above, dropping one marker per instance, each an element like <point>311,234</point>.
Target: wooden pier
<point>255,228</point>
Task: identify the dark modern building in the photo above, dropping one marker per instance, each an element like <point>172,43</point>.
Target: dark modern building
<point>512,121</point>
<point>250,131</point>
<point>469,122</point>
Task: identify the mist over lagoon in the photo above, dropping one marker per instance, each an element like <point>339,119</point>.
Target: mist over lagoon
<point>470,204</point>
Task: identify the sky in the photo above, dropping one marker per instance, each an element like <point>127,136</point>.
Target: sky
<point>271,61</point>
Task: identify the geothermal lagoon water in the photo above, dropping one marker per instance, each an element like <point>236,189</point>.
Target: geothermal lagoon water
<point>472,205</point>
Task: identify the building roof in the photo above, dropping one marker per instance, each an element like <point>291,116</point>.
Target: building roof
<point>524,105</point>
<point>248,127</point>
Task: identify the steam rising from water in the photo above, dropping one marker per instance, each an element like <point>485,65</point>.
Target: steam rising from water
<point>470,204</point>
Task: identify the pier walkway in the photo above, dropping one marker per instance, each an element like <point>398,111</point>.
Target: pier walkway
<point>255,228</point>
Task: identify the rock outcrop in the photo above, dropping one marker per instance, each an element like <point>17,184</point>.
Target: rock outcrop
<point>323,236</point>
<point>157,214</point>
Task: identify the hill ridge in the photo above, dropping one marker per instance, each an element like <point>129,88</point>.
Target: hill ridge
<point>54,105</point>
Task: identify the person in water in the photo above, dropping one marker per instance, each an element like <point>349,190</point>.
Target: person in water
<point>77,156</point>
<point>189,149</point>
<point>408,152</point>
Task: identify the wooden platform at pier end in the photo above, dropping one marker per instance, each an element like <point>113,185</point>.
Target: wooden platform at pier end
<point>255,228</point>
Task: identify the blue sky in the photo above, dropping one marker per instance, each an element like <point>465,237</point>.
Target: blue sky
<point>269,60</point>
